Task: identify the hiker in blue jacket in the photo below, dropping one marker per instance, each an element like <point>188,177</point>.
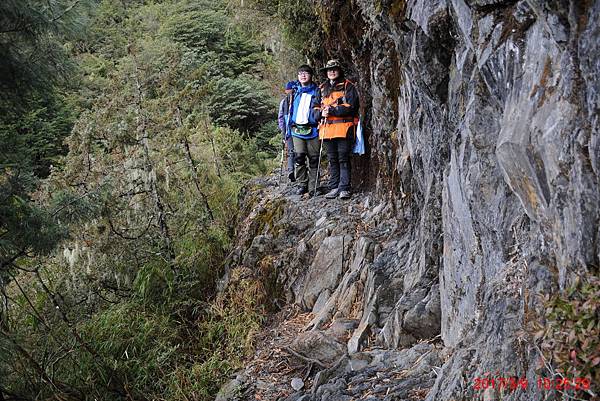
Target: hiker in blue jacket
<point>303,120</point>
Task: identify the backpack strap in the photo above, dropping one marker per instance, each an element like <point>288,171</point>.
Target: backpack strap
<point>346,82</point>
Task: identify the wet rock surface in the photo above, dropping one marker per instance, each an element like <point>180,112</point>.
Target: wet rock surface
<point>483,195</point>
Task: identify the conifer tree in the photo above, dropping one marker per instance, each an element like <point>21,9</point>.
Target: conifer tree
<point>34,118</point>
<point>135,210</point>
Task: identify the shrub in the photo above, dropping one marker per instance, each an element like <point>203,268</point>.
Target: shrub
<point>570,339</point>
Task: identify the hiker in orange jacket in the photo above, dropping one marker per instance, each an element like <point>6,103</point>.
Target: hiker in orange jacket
<point>339,109</point>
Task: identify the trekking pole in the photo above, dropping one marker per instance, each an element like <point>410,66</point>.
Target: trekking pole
<point>318,168</point>
<point>323,121</point>
<point>290,98</point>
<point>281,164</point>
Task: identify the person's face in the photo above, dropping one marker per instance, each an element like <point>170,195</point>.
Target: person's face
<point>304,77</point>
<point>332,74</point>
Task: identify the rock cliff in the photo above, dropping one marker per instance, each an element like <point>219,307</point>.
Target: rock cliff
<point>480,196</point>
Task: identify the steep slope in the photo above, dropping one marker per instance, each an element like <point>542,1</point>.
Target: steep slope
<point>336,266</point>
<point>485,115</point>
<point>484,165</point>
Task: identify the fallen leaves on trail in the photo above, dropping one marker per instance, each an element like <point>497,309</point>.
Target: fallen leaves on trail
<point>272,368</point>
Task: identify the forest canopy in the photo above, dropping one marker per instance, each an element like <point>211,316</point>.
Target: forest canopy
<point>128,129</point>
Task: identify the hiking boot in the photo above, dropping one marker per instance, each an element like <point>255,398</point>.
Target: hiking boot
<point>345,194</point>
<point>332,194</point>
<point>300,191</point>
<point>292,177</point>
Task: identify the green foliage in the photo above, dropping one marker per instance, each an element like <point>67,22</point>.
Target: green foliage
<point>136,343</point>
<point>32,142</point>
<point>32,138</point>
<point>570,339</point>
<point>33,58</point>
<point>145,346</point>
<point>142,157</point>
<point>239,153</point>
<point>25,226</point>
<point>240,103</point>
<point>210,37</point>
<point>269,139</point>
<point>34,118</point>
<point>225,63</point>
<point>227,329</point>
<point>301,25</point>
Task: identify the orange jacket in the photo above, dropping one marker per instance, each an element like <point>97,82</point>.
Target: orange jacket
<point>343,109</point>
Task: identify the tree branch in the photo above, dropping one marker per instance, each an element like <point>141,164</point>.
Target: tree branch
<point>114,230</point>
<point>66,11</point>
<point>99,358</point>
<point>6,263</point>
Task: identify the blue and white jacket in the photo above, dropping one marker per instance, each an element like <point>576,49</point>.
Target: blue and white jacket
<point>302,118</point>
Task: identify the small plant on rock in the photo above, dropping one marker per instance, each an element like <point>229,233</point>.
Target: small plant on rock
<point>570,338</point>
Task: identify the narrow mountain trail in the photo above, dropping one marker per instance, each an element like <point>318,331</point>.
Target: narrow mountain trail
<point>481,228</point>
<point>316,258</point>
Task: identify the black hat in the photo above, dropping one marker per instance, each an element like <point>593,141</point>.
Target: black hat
<point>332,65</point>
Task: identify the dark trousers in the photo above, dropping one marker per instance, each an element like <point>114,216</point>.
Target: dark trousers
<point>290,155</point>
<point>338,154</point>
<point>306,149</point>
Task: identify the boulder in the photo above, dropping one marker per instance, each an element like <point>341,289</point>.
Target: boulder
<point>318,346</point>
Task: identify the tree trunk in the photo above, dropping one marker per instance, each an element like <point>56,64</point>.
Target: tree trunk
<point>151,172</point>
<point>214,150</point>
<point>192,164</point>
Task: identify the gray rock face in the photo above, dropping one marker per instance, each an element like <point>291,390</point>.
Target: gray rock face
<point>390,375</point>
<point>297,383</point>
<point>362,285</point>
<point>484,136</point>
<point>326,269</point>
<point>486,114</point>
<point>233,390</point>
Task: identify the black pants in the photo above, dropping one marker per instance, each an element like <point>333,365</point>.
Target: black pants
<point>338,154</point>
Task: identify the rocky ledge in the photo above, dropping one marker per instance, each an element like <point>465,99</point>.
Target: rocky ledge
<point>481,119</point>
<point>356,312</point>
<point>356,322</point>
<point>333,266</point>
